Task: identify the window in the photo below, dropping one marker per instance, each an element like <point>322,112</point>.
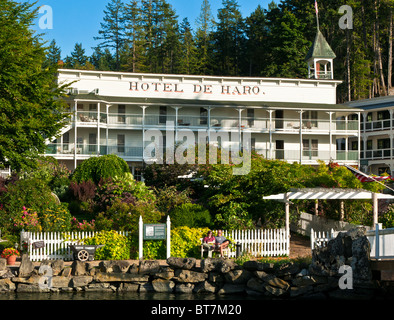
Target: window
<point>121,113</point>
<point>66,141</point>
<point>280,146</point>
<point>310,148</point>
<point>121,143</point>
<point>92,111</point>
<point>383,115</point>
<point>92,142</point>
<point>250,117</point>
<point>383,143</point>
<point>309,119</point>
<point>163,114</point>
<point>203,116</point>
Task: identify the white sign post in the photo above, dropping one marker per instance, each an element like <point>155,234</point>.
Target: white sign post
<point>154,232</point>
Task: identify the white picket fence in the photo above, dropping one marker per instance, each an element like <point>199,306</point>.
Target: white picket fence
<point>260,243</point>
<point>381,241</point>
<point>56,244</point>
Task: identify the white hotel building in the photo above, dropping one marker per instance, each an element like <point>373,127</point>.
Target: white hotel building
<point>291,119</point>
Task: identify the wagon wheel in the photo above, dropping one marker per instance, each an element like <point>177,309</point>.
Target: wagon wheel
<point>83,255</point>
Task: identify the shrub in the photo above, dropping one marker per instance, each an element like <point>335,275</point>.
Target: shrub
<point>82,226</point>
<point>31,193</point>
<point>185,242</point>
<point>97,168</point>
<point>56,219</point>
<point>124,188</point>
<point>116,246</point>
<point>125,216</point>
<point>190,215</point>
<point>27,220</point>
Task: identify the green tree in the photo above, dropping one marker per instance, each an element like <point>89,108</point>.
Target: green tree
<point>188,60</point>
<point>112,31</point>
<point>30,109</point>
<point>78,57</point>
<point>229,39</point>
<point>203,38</point>
<point>54,54</point>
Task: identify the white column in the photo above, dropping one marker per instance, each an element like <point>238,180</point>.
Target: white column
<point>330,135</point>
<point>140,238</point>
<point>75,133</point>
<point>143,128</point>
<point>168,240</point>
<point>270,132</point>
<point>287,221</point>
<point>375,208</point>
<point>176,123</point>
<point>301,145</point>
<point>106,129</point>
<point>98,128</point>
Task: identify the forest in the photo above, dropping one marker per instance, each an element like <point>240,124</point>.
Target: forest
<point>146,36</point>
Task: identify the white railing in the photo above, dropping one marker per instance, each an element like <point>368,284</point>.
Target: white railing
<point>381,241</point>
<point>56,245</point>
<point>260,243</point>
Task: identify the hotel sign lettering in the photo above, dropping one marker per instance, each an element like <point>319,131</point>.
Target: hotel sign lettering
<point>188,88</point>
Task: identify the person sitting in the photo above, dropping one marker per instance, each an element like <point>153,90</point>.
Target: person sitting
<point>208,241</point>
<point>221,242</point>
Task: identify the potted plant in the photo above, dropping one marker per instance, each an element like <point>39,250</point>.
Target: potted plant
<point>10,254</point>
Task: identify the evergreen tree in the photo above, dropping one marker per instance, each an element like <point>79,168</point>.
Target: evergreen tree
<point>31,110</point>
<point>188,63</point>
<point>102,60</point>
<point>257,34</point>
<point>54,54</point>
<point>133,49</point>
<point>78,58</point>
<point>113,29</point>
<point>229,39</point>
<point>287,45</point>
<point>203,38</point>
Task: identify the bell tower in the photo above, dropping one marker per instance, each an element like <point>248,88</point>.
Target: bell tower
<point>320,59</point>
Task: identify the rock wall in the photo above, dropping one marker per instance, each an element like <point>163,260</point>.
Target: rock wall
<point>320,279</point>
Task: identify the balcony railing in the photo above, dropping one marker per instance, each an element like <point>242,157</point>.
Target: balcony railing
<point>92,149</point>
<point>87,118</point>
<point>377,125</point>
<point>377,154</point>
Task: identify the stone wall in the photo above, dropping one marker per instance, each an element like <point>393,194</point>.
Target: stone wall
<point>320,279</point>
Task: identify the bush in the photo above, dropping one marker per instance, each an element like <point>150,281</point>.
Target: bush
<point>124,188</point>
<point>56,219</point>
<point>30,193</point>
<point>97,168</point>
<point>116,246</point>
<point>185,242</point>
<point>27,220</point>
<point>125,216</point>
<point>190,215</point>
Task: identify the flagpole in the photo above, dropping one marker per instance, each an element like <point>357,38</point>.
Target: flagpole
<point>317,15</point>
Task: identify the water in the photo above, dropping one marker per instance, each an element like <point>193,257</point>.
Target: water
<point>132,296</point>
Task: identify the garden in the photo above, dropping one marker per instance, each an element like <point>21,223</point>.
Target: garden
<point>102,195</point>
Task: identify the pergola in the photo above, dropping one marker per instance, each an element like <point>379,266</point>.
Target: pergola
<point>328,194</point>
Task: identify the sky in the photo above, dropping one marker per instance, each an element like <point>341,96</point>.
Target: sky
<point>78,21</point>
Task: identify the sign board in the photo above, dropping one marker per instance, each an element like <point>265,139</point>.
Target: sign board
<point>155,231</point>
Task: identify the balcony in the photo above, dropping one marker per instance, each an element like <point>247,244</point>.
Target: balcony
<point>68,150</point>
<point>309,155</point>
<point>253,124</point>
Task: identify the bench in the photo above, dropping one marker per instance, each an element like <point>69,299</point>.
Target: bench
<point>226,251</point>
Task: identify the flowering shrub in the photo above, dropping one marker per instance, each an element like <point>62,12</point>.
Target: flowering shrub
<point>116,246</point>
<point>57,218</point>
<point>8,252</point>
<point>82,226</point>
<point>28,221</point>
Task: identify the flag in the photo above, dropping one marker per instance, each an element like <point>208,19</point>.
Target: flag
<point>366,178</point>
<point>317,10</point>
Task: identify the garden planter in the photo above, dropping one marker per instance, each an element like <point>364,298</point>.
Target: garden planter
<point>11,260</point>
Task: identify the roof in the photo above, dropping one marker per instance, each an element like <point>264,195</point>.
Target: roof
<point>320,48</point>
<point>326,193</point>
<point>373,103</point>
<point>214,103</point>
